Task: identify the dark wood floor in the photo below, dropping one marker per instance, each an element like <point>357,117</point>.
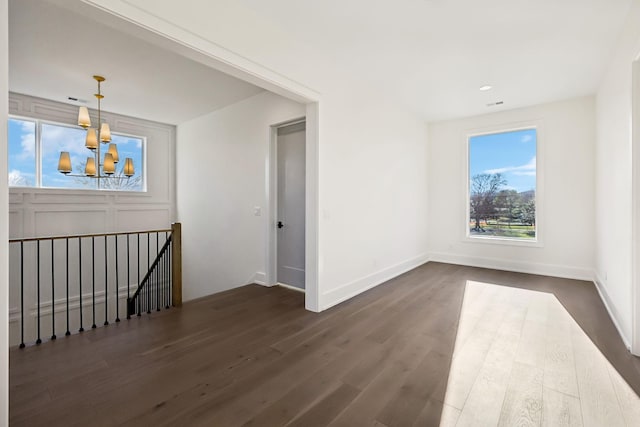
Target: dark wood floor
<point>254,356</point>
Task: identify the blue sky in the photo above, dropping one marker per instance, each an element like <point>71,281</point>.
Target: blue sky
<point>513,154</point>
<point>56,138</point>
<point>22,152</point>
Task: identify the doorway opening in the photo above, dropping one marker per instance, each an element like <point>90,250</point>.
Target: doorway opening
<point>287,198</point>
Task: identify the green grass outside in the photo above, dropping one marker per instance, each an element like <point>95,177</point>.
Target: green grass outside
<point>493,229</point>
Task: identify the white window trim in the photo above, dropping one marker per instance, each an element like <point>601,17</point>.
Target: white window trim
<point>539,196</point>
<point>38,154</point>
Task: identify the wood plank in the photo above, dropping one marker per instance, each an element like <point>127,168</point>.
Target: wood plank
<point>254,355</point>
<point>322,413</point>
<point>523,400</point>
<point>560,410</point>
<point>598,400</point>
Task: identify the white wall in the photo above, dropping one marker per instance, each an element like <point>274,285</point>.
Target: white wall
<point>373,193</point>
<point>221,177</point>
<point>4,218</point>
<point>614,177</point>
<point>566,139</point>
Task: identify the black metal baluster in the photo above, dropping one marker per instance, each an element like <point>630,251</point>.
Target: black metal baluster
<point>150,285</point>
<point>160,285</point>
<point>22,294</point>
<point>53,298</point>
<point>148,266</point>
<point>38,341</point>
<point>128,276</point>
<point>106,282</point>
<point>164,275</point>
<point>143,295</point>
<point>138,282</point>
<point>67,333</point>
<point>117,283</point>
<point>162,282</point>
<point>157,286</point>
<point>93,285</point>
<point>80,281</point>
<point>157,275</point>
<point>171,271</point>
<point>169,278</point>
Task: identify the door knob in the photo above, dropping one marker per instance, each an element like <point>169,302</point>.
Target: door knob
<point>280,224</point>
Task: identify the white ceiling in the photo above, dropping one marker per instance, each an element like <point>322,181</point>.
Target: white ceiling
<point>433,55</point>
<point>430,56</point>
<point>54,52</point>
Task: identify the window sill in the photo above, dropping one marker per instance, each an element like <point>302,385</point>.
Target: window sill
<point>504,241</point>
<point>76,191</point>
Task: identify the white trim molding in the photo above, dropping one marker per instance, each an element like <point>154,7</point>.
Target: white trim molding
<point>293,288</point>
<point>358,286</point>
<point>260,278</point>
<point>205,51</point>
<point>635,203</point>
<point>524,266</point>
<point>611,309</point>
<point>311,206</point>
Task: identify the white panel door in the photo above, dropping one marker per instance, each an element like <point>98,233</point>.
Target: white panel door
<point>291,204</point>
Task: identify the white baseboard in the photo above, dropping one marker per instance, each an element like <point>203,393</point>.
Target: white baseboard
<point>349,290</point>
<point>611,309</point>
<point>563,271</point>
<point>293,288</point>
<point>260,278</point>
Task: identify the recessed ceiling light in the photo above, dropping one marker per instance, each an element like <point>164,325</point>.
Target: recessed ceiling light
<point>485,87</point>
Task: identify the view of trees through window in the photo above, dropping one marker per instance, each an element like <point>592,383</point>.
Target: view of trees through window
<point>49,140</point>
<point>502,185</point>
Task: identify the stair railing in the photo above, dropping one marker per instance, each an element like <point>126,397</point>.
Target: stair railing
<point>66,283</point>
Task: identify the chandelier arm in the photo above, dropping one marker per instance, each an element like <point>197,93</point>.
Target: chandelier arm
<point>98,129</point>
<point>97,176</point>
<point>111,156</point>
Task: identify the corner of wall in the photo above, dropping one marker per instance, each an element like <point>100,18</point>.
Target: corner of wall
<point>611,308</point>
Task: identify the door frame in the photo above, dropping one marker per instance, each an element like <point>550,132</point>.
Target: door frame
<point>635,199</point>
<point>311,203</point>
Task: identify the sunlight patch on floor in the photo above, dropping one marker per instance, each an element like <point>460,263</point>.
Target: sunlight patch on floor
<point>521,359</point>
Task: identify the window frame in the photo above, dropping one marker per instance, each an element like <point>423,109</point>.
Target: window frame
<point>36,149</point>
<point>38,158</point>
<point>539,200</point>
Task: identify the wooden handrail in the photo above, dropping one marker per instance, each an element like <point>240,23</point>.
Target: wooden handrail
<point>82,236</point>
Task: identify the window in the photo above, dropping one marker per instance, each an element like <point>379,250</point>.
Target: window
<point>22,153</point>
<point>33,139</point>
<point>502,186</point>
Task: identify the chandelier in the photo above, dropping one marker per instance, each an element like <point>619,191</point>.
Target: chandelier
<point>96,135</point>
